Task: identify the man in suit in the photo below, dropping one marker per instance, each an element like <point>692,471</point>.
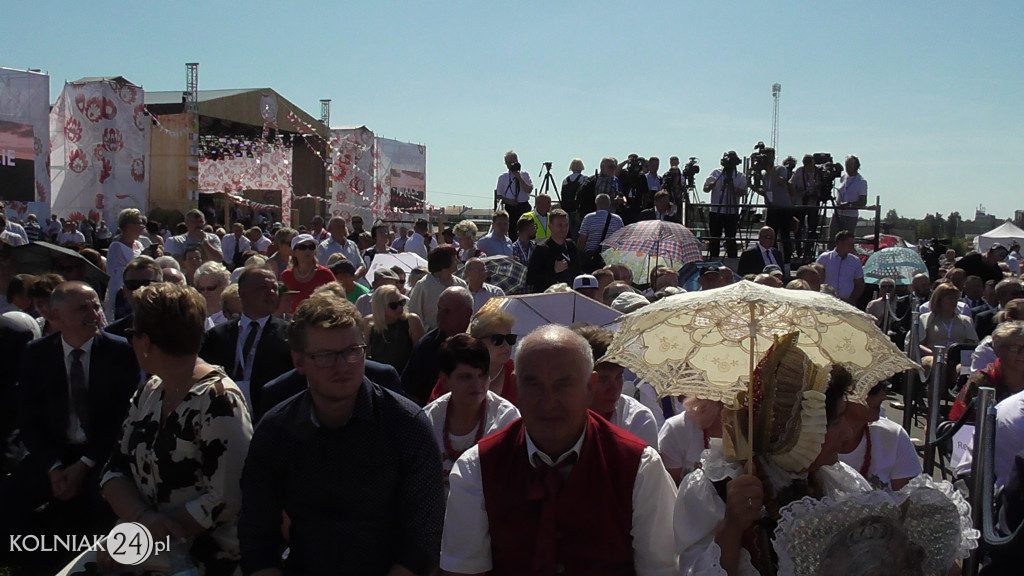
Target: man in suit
<point>663,208</point>
<point>292,382</point>
<point>74,389</point>
<point>1006,290</point>
<point>13,338</point>
<point>753,260</point>
<point>140,271</point>
<point>253,350</point>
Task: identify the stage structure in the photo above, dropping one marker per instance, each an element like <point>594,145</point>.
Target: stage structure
<point>100,149</point>
<point>257,151</point>
<point>25,142</point>
<point>377,178</point>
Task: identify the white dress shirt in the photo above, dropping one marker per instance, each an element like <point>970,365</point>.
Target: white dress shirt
<point>516,191</point>
<point>637,419</point>
<point>850,190</point>
<point>466,544</point>
<point>248,361</point>
<point>228,245</point>
<point>840,272</point>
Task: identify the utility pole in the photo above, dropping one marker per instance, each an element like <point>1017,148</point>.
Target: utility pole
<point>192,117</point>
<point>776,88</point>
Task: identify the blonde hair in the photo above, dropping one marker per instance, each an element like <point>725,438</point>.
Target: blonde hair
<point>378,304</point>
<point>943,290</point>
<point>490,321</point>
<point>576,165</point>
<point>466,228</point>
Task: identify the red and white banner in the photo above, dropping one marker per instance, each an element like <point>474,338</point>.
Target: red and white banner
<point>100,151</point>
<point>25,135</point>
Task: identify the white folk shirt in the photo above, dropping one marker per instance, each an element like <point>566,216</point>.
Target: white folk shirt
<point>637,419</point>
<point>466,544</point>
<point>681,442</point>
<point>516,191</point>
<point>892,453</point>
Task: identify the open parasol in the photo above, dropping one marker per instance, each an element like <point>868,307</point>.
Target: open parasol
<point>900,264</point>
<point>644,245</point>
<point>535,310</point>
<point>705,344</point>
<point>504,272</point>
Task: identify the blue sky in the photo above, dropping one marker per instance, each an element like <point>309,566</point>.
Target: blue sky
<point>927,94</point>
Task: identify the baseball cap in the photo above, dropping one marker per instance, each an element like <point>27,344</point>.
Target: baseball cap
<point>385,273</point>
<point>584,281</point>
<point>343,267</point>
<point>773,269</point>
<point>628,302</point>
<point>302,238</point>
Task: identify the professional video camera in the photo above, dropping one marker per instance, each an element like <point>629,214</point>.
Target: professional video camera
<point>760,160</point>
<point>730,161</point>
<point>691,169</point>
<point>829,171</point>
<point>636,164</point>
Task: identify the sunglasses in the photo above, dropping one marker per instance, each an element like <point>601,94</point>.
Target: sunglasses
<point>497,339</point>
<point>207,288</point>
<point>133,285</point>
<point>396,305</point>
<point>306,247</point>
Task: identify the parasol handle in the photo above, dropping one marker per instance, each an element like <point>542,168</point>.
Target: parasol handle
<point>750,390</point>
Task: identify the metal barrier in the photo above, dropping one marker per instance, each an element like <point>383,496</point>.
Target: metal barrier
<point>913,351</point>
<point>936,385</point>
<point>982,473</point>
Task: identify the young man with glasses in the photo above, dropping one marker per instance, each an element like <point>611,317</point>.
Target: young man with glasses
<point>344,444</point>
<point>140,271</point>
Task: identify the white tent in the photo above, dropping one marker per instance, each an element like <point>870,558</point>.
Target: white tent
<point>1006,234</point>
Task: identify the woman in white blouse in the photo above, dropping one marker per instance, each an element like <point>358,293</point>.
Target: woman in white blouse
<point>120,253</point>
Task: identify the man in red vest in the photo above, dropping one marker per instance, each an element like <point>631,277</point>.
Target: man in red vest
<point>559,491</point>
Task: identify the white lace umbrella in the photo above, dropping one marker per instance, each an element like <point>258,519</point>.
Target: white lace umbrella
<point>705,344</point>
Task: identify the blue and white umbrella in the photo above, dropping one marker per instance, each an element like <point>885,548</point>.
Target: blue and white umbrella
<point>900,264</point>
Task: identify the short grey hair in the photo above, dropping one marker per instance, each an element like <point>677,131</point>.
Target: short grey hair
<point>561,337</point>
<point>127,214</point>
<point>1007,332</point>
<point>459,292</point>
<point>213,270</point>
<point>168,262</point>
<point>602,201</point>
<point>510,154</point>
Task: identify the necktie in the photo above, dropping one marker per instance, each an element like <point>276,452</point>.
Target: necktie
<point>79,389</point>
<point>768,257</point>
<point>545,484</point>
<point>250,340</point>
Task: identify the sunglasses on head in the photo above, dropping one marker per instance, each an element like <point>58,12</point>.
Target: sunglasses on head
<point>497,339</point>
<point>396,305</point>
<point>134,285</point>
<point>306,247</point>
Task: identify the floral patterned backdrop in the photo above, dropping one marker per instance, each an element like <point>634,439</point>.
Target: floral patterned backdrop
<point>376,178</point>
<point>25,99</point>
<point>100,152</point>
<point>269,170</point>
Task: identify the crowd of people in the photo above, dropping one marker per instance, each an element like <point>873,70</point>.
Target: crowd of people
<point>250,394</point>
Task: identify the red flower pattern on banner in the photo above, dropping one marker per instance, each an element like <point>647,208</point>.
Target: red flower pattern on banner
<point>73,130</point>
<point>94,216</point>
<point>94,109</point>
<point>40,192</point>
<point>80,102</point>
<point>112,139</point>
<point>99,152</point>
<point>105,170</point>
<point>99,201</point>
<point>109,109</point>
<point>126,93</point>
<point>77,161</point>
<point>139,117</point>
<point>138,169</point>
<point>76,216</point>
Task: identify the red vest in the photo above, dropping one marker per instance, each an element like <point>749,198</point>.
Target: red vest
<point>594,507</point>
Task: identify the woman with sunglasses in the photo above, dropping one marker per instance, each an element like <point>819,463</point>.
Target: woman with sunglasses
<point>210,280</point>
<point>305,275</point>
<point>470,412</point>
<point>120,253</point>
<point>494,327</point>
<point>391,331</point>
<point>177,465</point>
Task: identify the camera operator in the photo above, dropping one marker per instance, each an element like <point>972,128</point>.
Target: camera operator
<point>804,186</point>
<point>634,189</point>
<point>779,215</point>
<point>726,185</point>
<point>674,183</point>
<point>851,194</point>
<point>514,188</point>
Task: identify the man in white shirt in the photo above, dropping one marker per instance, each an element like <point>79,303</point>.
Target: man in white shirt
<point>15,227</point>
<point>417,242</point>
<point>538,497</point>
<point>7,235</point>
<point>338,242</point>
<point>476,273</point>
<point>843,270</point>
<point>234,245</point>
<point>851,194</point>
<point>257,241</point>
<point>727,186</point>
<point>514,188</point>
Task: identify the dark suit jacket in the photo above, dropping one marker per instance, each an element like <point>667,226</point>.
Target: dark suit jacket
<point>985,322</point>
<point>751,261</point>
<point>118,327</point>
<point>291,383</point>
<point>13,340</point>
<point>273,356</point>
<point>45,404</point>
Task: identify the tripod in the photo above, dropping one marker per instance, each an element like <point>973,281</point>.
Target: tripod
<point>548,183</point>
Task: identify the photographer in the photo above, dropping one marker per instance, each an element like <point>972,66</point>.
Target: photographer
<point>634,189</point>
<point>779,215</point>
<point>726,185</point>
<point>514,188</point>
<point>804,186</point>
<point>851,194</point>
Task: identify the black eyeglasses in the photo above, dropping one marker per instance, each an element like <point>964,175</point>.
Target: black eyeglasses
<point>306,247</point>
<point>397,305</point>
<point>133,285</point>
<point>497,339</point>
<point>329,358</point>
